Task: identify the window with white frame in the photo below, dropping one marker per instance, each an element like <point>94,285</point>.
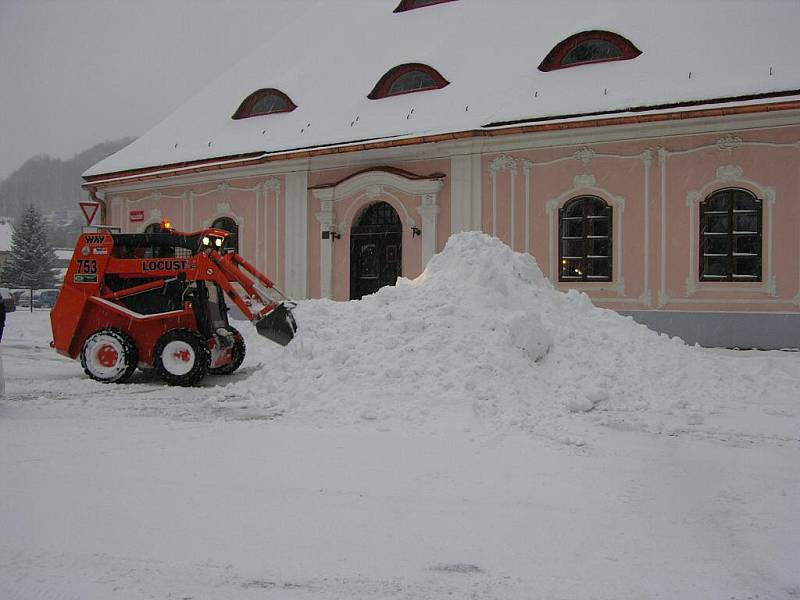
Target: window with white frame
<point>584,234</point>
<point>730,236</point>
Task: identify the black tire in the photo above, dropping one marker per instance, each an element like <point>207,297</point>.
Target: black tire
<point>181,357</point>
<point>239,349</point>
<point>109,356</point>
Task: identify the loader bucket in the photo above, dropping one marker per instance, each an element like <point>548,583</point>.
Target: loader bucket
<point>279,325</point>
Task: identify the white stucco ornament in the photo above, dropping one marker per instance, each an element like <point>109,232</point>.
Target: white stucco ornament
<point>729,172</point>
<point>729,143</point>
<point>584,180</point>
<point>373,191</point>
<point>585,155</point>
<point>503,163</point>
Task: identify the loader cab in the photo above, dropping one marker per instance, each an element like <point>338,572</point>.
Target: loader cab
<point>210,309</point>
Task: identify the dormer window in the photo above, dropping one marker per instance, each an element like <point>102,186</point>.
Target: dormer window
<point>412,4</point>
<point>406,79</point>
<point>264,102</point>
<point>589,47</point>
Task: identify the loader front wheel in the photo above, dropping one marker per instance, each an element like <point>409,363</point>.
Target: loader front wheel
<point>109,356</point>
<point>238,351</point>
<point>181,357</point>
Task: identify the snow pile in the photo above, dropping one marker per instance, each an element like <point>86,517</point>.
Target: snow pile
<point>480,334</point>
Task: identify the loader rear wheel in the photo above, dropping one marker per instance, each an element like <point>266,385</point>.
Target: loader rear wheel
<point>109,356</point>
<point>238,356</point>
<point>181,357</point>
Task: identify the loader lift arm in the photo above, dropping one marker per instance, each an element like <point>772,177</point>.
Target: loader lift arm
<point>274,320</point>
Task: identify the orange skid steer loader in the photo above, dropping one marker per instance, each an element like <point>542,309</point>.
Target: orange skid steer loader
<point>157,301</point>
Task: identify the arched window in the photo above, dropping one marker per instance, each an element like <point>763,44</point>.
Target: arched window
<point>589,47</point>
<point>730,236</point>
<point>585,240</point>
<point>412,4</point>
<point>229,225</point>
<point>406,79</point>
<point>264,102</point>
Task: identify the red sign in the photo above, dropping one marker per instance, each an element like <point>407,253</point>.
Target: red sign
<point>89,210</point>
<point>136,216</point>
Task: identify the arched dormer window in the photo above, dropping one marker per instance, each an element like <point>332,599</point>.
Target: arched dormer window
<point>406,79</point>
<point>264,102</point>
<point>585,240</point>
<point>589,47</point>
<point>412,4</point>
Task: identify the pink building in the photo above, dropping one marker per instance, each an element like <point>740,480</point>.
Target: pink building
<point>645,153</point>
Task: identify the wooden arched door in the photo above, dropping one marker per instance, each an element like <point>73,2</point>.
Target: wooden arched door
<point>375,250</point>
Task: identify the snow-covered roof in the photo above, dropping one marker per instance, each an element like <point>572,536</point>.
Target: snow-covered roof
<point>331,55</point>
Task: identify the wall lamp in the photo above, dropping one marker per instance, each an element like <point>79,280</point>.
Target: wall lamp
<point>415,231</point>
<point>330,235</point>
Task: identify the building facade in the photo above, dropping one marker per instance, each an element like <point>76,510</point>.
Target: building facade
<point>685,216</point>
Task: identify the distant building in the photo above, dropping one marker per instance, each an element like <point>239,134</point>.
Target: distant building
<point>6,233</point>
<point>645,153</point>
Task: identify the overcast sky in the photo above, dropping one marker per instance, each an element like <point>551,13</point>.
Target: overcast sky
<point>77,72</point>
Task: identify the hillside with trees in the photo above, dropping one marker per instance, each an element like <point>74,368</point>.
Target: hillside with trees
<point>54,187</point>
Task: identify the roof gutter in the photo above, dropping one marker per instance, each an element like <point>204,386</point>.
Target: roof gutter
<point>500,129</point>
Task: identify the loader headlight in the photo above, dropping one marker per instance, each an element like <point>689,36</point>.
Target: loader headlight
<point>218,242</point>
<point>206,240</point>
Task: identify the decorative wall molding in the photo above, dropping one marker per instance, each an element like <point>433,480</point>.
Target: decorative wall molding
<point>503,163</point>
<point>663,298</point>
<point>729,142</point>
<point>527,165</point>
<point>416,186</point>
<point>498,165</point>
<point>587,183</point>
<point>584,155</point>
<point>465,192</point>
<point>272,184</point>
<point>726,175</point>
<point>584,180</point>
<point>365,188</point>
<point>125,205</point>
<point>648,133</point>
<point>363,199</point>
<point>766,194</point>
<point>325,218</point>
<point>646,298</point>
<point>429,211</point>
<point>729,172</point>
<point>553,207</point>
<point>296,235</point>
<point>223,208</point>
<point>225,213</point>
<point>373,191</point>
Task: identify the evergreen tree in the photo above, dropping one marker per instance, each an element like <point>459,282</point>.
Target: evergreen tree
<point>31,259</point>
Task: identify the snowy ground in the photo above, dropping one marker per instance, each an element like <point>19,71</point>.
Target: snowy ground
<point>548,450</point>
